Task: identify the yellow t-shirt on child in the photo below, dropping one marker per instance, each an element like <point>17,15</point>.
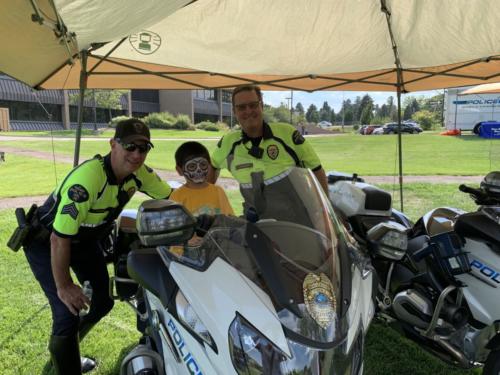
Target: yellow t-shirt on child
<point>210,200</point>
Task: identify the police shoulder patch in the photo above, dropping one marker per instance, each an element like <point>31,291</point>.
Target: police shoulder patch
<point>273,151</point>
<point>77,193</point>
<point>297,138</point>
<point>71,210</point>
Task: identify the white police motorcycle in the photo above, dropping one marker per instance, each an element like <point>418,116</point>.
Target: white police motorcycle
<point>440,278</point>
<point>284,291</point>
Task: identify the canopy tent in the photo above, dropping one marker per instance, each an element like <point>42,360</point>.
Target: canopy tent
<point>488,88</point>
<point>361,45</point>
<point>281,44</point>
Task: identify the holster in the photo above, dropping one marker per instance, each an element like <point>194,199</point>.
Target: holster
<point>28,229</point>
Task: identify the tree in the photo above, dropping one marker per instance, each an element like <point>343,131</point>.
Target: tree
<point>411,106</point>
<point>268,114</point>
<point>332,116</point>
<point>365,109</point>
<point>282,113</point>
<point>433,104</point>
<point>325,113</point>
<point>367,114</point>
<point>312,114</point>
<point>299,109</point>
<point>392,109</point>
<point>346,114</point>
<point>427,120</point>
<point>109,99</point>
<point>356,108</point>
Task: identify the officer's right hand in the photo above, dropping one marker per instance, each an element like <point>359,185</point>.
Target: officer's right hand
<point>73,297</point>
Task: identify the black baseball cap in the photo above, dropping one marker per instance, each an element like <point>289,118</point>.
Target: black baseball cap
<point>128,131</point>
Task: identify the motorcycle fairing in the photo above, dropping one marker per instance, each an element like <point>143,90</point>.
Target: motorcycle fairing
<point>146,267</point>
<point>477,225</point>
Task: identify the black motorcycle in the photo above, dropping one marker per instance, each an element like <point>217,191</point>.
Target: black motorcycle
<point>438,278</point>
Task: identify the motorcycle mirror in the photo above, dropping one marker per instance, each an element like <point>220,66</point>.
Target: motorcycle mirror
<point>164,222</point>
<point>389,240</point>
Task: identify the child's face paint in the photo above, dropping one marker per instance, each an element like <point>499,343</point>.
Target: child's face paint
<point>196,170</point>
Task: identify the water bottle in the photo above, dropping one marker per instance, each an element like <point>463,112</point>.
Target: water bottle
<point>87,291</point>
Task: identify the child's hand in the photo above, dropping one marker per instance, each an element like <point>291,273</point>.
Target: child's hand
<point>195,241</point>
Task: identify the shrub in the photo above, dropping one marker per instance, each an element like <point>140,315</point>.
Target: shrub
<point>182,122</point>
<point>426,119</point>
<point>203,125</point>
<point>355,127</point>
<point>116,120</point>
<point>159,120</point>
<point>211,128</point>
<point>222,125</point>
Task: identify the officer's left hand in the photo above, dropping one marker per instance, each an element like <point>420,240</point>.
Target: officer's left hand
<point>72,296</point>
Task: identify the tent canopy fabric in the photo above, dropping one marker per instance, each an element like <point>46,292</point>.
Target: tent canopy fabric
<point>361,45</point>
<point>488,88</point>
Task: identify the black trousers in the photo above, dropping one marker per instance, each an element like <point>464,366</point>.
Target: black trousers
<point>87,262</point>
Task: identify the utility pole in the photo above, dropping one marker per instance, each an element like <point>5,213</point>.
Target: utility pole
<point>94,109</point>
<point>343,111</point>
<point>290,103</point>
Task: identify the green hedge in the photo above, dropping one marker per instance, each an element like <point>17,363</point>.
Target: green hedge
<point>116,120</point>
<point>161,120</point>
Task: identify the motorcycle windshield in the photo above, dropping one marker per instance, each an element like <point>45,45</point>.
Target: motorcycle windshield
<point>293,252</point>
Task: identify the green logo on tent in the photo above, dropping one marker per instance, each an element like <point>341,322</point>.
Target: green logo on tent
<point>145,42</point>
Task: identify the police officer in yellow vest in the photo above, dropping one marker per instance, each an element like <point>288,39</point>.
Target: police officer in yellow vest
<point>74,220</point>
<point>271,148</point>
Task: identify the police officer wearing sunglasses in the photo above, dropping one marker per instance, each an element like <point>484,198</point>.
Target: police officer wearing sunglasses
<point>74,221</point>
<point>259,146</point>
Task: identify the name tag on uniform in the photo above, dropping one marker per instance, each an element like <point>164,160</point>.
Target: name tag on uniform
<point>243,166</point>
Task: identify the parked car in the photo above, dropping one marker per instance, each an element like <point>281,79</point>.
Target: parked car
<point>371,128</point>
<point>392,128</point>
<point>368,129</point>
<point>324,124</point>
<point>378,131</point>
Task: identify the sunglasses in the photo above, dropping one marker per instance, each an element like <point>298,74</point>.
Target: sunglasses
<point>131,147</point>
<point>250,105</point>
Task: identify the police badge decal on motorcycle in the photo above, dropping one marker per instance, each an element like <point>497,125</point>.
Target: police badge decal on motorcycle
<point>319,299</point>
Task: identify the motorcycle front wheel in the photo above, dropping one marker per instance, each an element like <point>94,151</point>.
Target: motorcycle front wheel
<point>492,364</point>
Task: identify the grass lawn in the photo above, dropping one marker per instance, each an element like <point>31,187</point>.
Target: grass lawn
<point>423,154</point>
<point>30,176</point>
<point>25,316</point>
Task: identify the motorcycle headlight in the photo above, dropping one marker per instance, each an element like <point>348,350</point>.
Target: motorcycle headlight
<point>251,351</point>
<point>164,222</point>
<point>390,240</point>
<point>191,320</point>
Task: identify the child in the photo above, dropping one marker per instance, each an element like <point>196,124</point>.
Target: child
<point>197,195</point>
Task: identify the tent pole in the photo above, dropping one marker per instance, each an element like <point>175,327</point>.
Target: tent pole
<point>83,86</point>
<point>400,88</point>
<point>400,148</point>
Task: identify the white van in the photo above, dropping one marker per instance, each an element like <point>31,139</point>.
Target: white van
<point>465,112</point>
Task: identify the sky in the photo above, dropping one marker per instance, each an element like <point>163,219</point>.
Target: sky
<point>334,98</point>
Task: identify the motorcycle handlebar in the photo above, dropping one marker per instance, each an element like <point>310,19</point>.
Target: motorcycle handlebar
<point>468,189</point>
<point>479,195</point>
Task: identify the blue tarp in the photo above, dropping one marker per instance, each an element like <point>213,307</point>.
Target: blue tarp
<point>490,129</point>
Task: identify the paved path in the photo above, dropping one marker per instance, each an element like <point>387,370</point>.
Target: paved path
<point>226,183</point>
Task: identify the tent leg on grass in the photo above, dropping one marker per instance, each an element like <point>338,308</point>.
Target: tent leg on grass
<point>83,86</point>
